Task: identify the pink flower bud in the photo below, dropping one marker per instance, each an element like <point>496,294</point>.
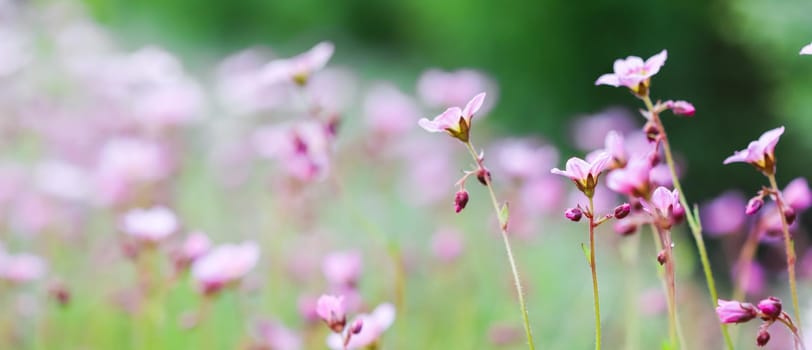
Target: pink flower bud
<point>357,326</point>
<point>735,312</point>
<point>623,210</point>
<point>661,258</point>
<point>460,200</point>
<point>573,214</point>
<point>770,307</point>
<point>681,108</point>
<point>763,338</point>
<point>483,176</point>
<point>789,214</point>
<point>754,205</point>
<point>625,227</point>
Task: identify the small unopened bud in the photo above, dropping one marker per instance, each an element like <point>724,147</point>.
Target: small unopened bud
<point>789,214</point>
<point>625,227</point>
<point>460,200</point>
<point>661,257</point>
<point>754,205</point>
<point>332,125</point>
<point>763,338</point>
<point>484,176</point>
<point>623,210</point>
<point>677,215</point>
<point>356,326</point>
<point>573,214</point>
<point>770,307</point>
<point>652,131</point>
<point>60,293</point>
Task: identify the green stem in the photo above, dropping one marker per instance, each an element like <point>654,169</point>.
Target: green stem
<point>503,227</point>
<point>790,246</point>
<point>592,266</point>
<point>693,223</point>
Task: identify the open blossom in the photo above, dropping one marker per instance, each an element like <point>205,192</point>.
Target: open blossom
<point>299,68</point>
<point>735,312</point>
<point>681,107</point>
<point>584,174</point>
<point>797,195</point>
<point>806,50</point>
<point>342,268</point>
<point>664,204</point>
<point>331,310</point>
<point>724,214</point>
<point>374,324</point>
<point>633,180</point>
<point>760,153</point>
<point>21,268</point>
<point>150,225</point>
<point>455,121</point>
<point>633,72</point>
<point>225,264</point>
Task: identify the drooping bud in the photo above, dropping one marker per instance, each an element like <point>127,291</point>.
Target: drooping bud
<point>484,176</point>
<point>652,131</point>
<point>789,214</point>
<point>356,326</point>
<point>661,258</point>
<point>574,214</point>
<point>770,307</point>
<point>623,210</point>
<point>460,200</point>
<point>763,337</point>
<point>754,205</point>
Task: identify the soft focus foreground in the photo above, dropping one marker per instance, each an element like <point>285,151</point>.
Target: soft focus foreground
<point>276,202</point>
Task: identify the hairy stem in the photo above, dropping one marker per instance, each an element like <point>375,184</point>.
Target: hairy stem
<point>790,246</point>
<point>693,223</point>
<point>503,227</point>
<point>592,266</point>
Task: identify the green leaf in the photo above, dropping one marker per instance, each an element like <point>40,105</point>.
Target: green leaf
<point>586,253</point>
<point>696,215</point>
<point>504,214</point>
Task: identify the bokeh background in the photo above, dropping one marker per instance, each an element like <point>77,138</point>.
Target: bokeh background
<point>736,61</point>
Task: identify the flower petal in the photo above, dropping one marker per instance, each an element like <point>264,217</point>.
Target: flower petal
<point>473,105</point>
<point>806,50</point>
<point>654,63</point>
<point>608,79</point>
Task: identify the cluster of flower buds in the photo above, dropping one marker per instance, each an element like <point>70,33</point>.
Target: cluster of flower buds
<point>362,333</point>
<point>768,310</point>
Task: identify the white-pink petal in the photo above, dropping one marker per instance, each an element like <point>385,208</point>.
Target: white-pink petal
<point>806,50</point>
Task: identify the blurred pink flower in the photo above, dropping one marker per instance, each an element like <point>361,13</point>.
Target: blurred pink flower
<point>240,87</point>
<point>388,111</point>
<point>374,324</point>
<point>633,180</point>
<point>524,159</point>
<point>455,121</point>
<point>124,164</point>
<point>447,244</point>
<point>760,153</point>
<point>342,268</point>
<point>425,168</point>
<point>193,247</point>
<point>660,175</point>
<point>681,107</point>
<point>439,89</point>
<point>332,90</point>
<point>798,195</point>
<point>16,50</point>
<point>225,264</point>
<point>806,50</point>
<point>273,335</point>
<point>544,194</point>
<point>299,68</point>
<point>735,312</point>
<point>724,214</point>
<point>589,132</point>
<point>584,174</point>
<point>633,71</point>
<point>150,225</point>
<point>756,279</point>
<point>302,148</point>
<point>21,268</point>
<point>332,311</point>
<point>62,180</point>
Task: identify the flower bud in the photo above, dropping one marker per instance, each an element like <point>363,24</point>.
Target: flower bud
<point>332,310</point>
<point>625,227</point>
<point>60,293</point>
<point>754,205</point>
<point>731,311</point>
<point>623,210</point>
<point>661,257</point>
<point>652,131</point>
<point>789,214</point>
<point>356,326</point>
<point>460,200</point>
<point>574,214</point>
<point>484,176</point>
<point>770,307</point>
<point>763,338</point>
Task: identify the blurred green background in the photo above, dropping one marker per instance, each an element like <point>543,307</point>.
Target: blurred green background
<point>737,61</point>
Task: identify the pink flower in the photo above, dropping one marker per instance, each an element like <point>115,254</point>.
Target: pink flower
<point>724,214</point>
<point>735,312</point>
<point>21,268</point>
<point>633,180</point>
<point>615,146</point>
<point>275,336</point>
<point>760,153</point>
<point>633,72</point>
<point>589,132</point>
<point>447,245</point>
<point>681,107</point>
<point>798,195</point>
<point>664,204</point>
<point>150,225</point>
<point>125,164</point>
<point>388,111</point>
<point>584,174</point>
<point>374,324</point>
<point>342,268</point>
<point>523,159</point>
<point>332,311</point>
<point>455,121</point>
<point>299,68</point>
<point>224,265</point>
<point>770,307</point>
<point>542,195</point>
<point>806,50</point>
<point>194,246</point>
<point>438,88</point>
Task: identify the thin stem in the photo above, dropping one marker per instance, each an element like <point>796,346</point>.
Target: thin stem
<point>693,224</point>
<point>799,343</point>
<point>503,227</point>
<point>790,246</point>
<point>671,284</point>
<point>743,264</point>
<point>592,266</point>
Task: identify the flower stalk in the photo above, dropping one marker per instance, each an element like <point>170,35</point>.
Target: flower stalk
<point>789,243</point>
<point>593,267</point>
